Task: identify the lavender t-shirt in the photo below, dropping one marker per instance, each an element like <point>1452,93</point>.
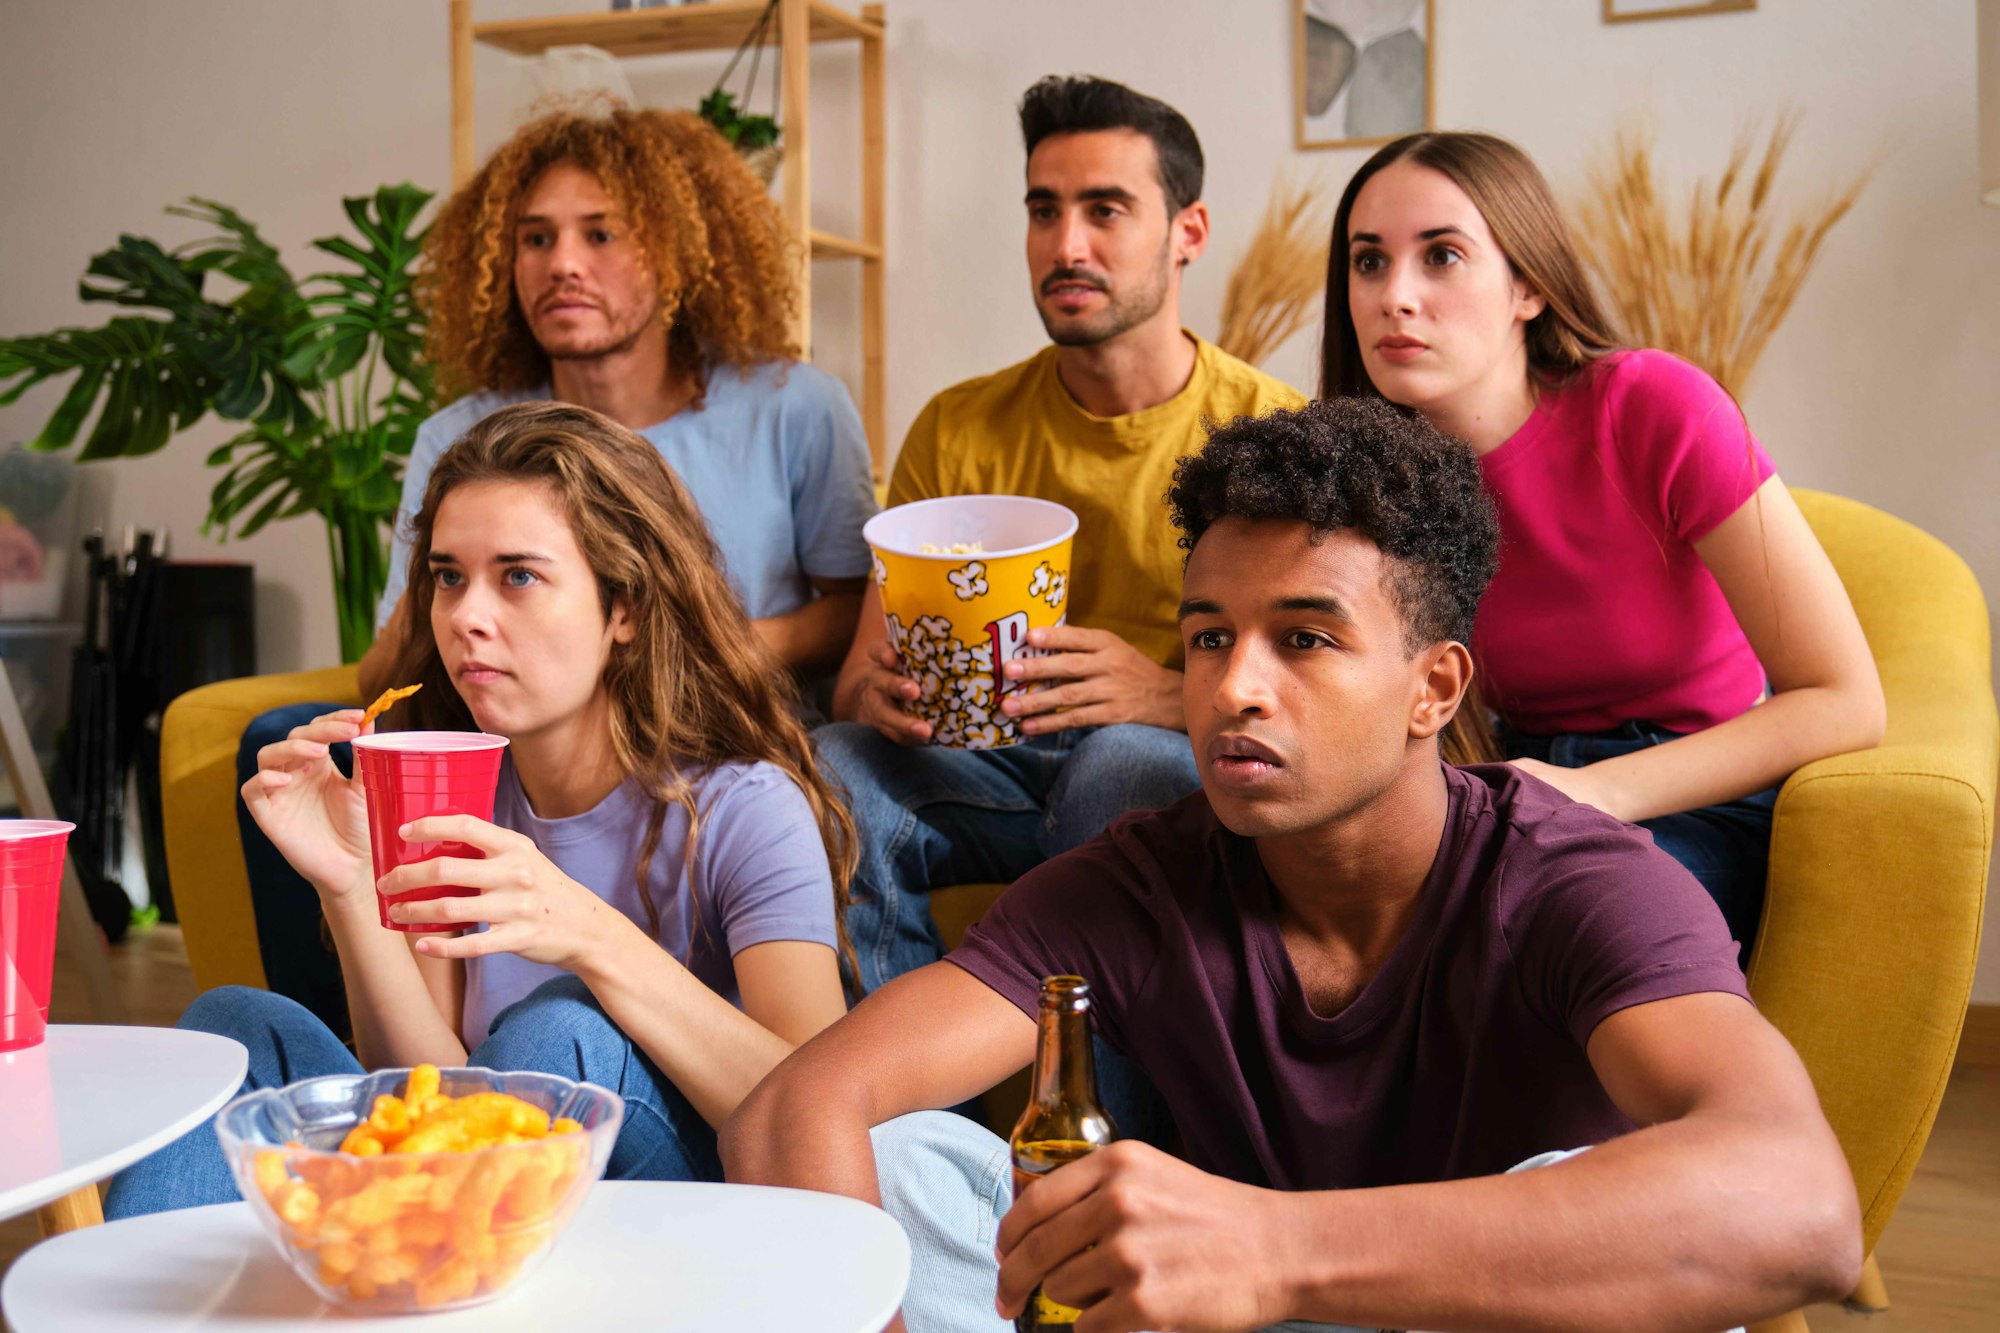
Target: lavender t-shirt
<point>760,874</point>
<point>1463,1056</point>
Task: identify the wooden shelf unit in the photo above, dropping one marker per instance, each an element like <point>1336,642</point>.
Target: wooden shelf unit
<point>722,25</point>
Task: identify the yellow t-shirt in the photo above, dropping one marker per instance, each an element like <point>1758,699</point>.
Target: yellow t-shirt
<point>1018,432</point>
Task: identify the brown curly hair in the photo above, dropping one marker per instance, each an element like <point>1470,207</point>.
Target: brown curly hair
<point>725,264</point>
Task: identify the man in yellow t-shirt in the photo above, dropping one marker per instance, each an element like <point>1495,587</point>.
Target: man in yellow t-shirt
<point>1095,422</point>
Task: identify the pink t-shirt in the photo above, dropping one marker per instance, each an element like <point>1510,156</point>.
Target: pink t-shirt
<point>1602,612</point>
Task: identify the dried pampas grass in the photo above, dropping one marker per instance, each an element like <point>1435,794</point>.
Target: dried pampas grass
<point>1711,287</point>
<point>1279,280</point>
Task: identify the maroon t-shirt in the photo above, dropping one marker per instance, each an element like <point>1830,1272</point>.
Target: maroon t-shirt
<point>1463,1056</point>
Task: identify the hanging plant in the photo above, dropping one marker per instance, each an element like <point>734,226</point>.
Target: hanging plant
<point>753,135</point>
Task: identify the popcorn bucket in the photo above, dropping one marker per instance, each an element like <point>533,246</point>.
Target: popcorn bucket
<point>963,579</point>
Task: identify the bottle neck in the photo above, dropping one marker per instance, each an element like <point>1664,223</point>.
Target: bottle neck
<point>1064,1067</point>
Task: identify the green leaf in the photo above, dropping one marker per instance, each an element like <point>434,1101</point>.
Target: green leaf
<point>61,431</point>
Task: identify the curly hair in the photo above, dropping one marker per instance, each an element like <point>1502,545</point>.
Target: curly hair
<point>714,242</point>
<point>1358,463</point>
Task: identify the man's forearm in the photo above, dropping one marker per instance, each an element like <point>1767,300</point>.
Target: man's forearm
<point>815,637</point>
<point>1687,1225</point>
<point>786,1133</point>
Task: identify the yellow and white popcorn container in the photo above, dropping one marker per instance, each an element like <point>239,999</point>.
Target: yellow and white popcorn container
<point>963,579</point>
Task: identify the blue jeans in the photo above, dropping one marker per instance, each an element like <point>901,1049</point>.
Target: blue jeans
<point>558,1028</point>
<point>930,817</point>
<point>948,1182</point>
<point>299,963</point>
<point>1726,847</point>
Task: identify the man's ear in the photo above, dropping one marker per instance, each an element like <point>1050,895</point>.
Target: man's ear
<point>1190,233</point>
<point>1447,675</point>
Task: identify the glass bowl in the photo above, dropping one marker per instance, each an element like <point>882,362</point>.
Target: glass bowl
<point>398,1232</point>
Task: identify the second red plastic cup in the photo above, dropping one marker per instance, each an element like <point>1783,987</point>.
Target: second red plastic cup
<point>31,867</point>
<point>410,774</point>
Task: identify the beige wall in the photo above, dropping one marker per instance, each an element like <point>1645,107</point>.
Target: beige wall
<point>1881,385</point>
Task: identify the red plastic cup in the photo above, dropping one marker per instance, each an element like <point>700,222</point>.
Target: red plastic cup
<point>410,774</point>
<point>31,868</point>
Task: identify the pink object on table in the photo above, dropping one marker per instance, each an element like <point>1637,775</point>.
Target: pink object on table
<point>31,867</point>
<point>410,774</point>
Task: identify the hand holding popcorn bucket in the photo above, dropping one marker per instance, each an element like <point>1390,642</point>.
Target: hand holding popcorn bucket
<point>962,580</point>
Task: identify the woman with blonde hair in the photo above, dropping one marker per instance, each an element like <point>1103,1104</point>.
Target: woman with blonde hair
<point>1665,639</point>
<point>658,908</point>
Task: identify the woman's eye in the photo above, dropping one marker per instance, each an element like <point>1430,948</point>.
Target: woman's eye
<point>1368,261</point>
<point>600,236</point>
<point>1208,639</point>
<point>520,578</point>
<point>446,578</point>
<point>534,240</point>
<point>1444,255</point>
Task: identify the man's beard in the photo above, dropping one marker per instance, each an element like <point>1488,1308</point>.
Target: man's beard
<point>1121,312</point>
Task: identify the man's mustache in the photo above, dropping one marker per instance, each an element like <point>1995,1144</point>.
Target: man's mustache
<point>1084,276</point>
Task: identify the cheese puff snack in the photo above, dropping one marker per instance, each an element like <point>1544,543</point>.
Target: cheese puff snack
<point>385,700</point>
<point>410,1217</point>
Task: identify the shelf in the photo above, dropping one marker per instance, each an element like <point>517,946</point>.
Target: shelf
<point>720,25</point>
<point>826,245</point>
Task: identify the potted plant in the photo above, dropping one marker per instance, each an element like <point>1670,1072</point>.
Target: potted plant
<point>326,375</point>
<point>754,136</point>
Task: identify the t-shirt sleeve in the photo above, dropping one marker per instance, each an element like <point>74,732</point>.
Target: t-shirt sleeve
<point>1084,914</point>
<point>1608,921</point>
<point>1687,439</point>
<point>833,493</point>
<point>760,866</point>
<point>425,451</point>
<point>919,468</point>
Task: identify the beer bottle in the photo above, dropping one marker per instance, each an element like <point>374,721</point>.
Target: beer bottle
<point>1063,1121</point>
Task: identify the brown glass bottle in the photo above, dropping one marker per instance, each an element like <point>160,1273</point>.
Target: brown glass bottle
<point>1063,1121</point>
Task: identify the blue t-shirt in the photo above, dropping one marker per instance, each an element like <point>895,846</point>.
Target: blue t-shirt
<point>775,459</point>
<point>760,874</point>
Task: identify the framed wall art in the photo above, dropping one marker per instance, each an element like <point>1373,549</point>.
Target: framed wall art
<point>1361,71</point>
<point>1631,11</point>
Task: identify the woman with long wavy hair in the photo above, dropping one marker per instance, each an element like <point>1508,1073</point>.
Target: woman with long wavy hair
<point>659,898</point>
<point>1665,639</point>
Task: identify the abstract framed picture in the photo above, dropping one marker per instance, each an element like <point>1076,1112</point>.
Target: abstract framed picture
<point>1361,71</point>
<point>1631,11</point>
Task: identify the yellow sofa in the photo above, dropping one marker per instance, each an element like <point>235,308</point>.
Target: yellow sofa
<point>1878,859</point>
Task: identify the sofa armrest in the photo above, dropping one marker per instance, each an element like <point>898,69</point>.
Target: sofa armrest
<point>1870,936</point>
<point>198,743</point>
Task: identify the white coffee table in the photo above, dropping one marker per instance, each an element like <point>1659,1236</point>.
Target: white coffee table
<point>662,1258</point>
<point>90,1101</point>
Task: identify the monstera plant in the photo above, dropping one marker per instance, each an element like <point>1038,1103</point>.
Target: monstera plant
<point>325,374</point>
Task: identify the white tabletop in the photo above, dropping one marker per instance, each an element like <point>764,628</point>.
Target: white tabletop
<point>638,1255</point>
<point>90,1101</point>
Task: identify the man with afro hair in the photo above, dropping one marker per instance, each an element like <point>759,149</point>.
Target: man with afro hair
<point>1369,986</point>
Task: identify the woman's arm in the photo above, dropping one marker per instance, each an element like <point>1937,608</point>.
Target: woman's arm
<point>405,1010</point>
<point>318,820</point>
<point>706,1047</point>
<point>1826,696</point>
<point>712,1051</point>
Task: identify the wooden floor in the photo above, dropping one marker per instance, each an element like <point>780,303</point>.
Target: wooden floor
<point>1940,1257</point>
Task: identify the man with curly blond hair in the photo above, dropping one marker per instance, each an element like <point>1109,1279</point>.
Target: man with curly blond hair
<point>631,263</point>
